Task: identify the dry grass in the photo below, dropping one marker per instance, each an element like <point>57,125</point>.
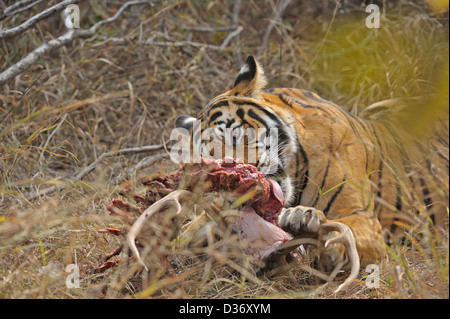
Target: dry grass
<point>101,94</point>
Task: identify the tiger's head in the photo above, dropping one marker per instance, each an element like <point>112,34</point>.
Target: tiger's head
<point>243,124</point>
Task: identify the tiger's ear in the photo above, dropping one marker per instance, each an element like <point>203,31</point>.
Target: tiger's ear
<point>185,121</point>
<point>250,80</point>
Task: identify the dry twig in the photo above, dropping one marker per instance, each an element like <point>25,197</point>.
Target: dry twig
<point>86,170</point>
<point>9,11</point>
<point>276,20</point>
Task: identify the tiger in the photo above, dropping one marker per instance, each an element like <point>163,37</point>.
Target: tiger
<point>333,165</point>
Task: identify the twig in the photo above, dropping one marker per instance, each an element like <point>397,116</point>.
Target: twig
<point>24,93</point>
<point>150,160</point>
<point>181,44</point>
<point>8,10</point>
<point>95,27</point>
<point>53,132</point>
<point>8,33</point>
<point>133,150</point>
<point>211,29</point>
<point>235,17</point>
<point>230,36</point>
<point>233,27</point>
<point>276,19</point>
<point>16,5</point>
<point>60,41</point>
<point>150,41</point>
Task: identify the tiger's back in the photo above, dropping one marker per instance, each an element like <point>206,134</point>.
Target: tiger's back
<point>399,177</point>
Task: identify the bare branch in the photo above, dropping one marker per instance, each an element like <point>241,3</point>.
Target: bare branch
<point>60,41</point>
<point>16,5</point>
<point>8,33</point>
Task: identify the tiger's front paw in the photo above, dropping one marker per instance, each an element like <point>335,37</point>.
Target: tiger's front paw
<point>300,219</point>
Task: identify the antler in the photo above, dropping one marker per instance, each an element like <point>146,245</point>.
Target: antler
<point>346,238</point>
<point>171,200</point>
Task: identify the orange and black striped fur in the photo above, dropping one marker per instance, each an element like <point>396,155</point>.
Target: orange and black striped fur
<point>333,165</point>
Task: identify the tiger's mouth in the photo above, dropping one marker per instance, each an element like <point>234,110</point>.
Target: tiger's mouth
<point>279,175</point>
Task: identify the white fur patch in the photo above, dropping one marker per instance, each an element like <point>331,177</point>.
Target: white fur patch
<point>244,69</point>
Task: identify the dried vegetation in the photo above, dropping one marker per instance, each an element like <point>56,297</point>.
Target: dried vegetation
<point>122,88</point>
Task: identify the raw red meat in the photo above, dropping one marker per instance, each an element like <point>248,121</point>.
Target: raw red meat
<point>264,195</point>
